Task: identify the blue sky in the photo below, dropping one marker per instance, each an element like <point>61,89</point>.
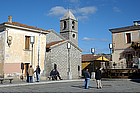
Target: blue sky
<point>95,17</point>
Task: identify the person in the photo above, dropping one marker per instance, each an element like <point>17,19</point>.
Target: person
<point>54,74</point>
<point>98,76</point>
<point>87,79</point>
<point>37,71</point>
<point>58,75</point>
<point>31,73</point>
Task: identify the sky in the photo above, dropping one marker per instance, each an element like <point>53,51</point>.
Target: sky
<point>95,17</point>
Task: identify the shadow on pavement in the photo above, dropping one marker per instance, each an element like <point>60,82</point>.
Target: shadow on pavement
<point>82,87</point>
<point>135,80</point>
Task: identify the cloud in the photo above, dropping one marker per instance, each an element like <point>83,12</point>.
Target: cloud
<point>87,10</point>
<point>116,9</point>
<point>89,39</point>
<point>57,11</point>
<point>95,39</point>
<point>81,13</point>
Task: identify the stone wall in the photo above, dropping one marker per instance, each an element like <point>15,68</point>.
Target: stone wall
<point>59,56</point>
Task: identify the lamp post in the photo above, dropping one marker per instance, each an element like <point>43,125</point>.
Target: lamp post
<point>110,47</point>
<point>69,73</point>
<point>39,47</point>
<point>93,50</point>
<point>32,40</point>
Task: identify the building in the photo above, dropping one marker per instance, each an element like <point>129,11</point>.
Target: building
<point>20,46</point>
<point>125,43</point>
<point>23,45</point>
<point>91,62</point>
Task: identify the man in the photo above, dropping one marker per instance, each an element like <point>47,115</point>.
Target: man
<point>37,73</point>
<point>87,78</point>
<point>98,76</point>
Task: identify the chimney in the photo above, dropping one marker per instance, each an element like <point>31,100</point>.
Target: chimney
<point>10,19</point>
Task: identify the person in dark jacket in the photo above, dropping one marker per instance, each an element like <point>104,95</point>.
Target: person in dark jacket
<point>54,74</point>
<point>98,76</point>
<point>37,71</point>
<point>87,79</point>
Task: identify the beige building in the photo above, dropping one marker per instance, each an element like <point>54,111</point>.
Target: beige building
<point>16,47</point>
<point>124,55</point>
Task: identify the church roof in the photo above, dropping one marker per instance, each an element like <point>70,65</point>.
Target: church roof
<point>53,43</point>
<point>68,15</point>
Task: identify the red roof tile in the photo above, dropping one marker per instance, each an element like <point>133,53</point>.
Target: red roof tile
<point>89,57</point>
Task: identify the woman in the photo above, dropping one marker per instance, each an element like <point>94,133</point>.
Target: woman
<point>31,73</point>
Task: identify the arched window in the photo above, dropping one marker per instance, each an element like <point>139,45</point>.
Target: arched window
<point>74,35</point>
<point>65,25</point>
<point>73,24</point>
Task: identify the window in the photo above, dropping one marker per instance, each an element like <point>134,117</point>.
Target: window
<point>65,25</point>
<point>73,25</point>
<point>128,37</point>
<point>74,35</point>
<point>27,42</point>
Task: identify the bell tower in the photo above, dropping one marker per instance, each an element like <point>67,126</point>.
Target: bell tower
<point>69,27</point>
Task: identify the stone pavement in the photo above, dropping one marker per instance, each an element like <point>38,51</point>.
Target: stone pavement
<point>71,86</point>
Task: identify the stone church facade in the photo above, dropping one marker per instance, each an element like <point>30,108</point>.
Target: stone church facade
<point>64,51</point>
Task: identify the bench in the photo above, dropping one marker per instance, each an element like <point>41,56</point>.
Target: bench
<point>7,78</point>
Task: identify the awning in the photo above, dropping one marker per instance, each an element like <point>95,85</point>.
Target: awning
<point>102,58</point>
<point>85,64</point>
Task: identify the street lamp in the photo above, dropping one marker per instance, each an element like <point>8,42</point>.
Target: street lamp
<point>110,47</point>
<point>32,41</point>
<point>93,50</point>
<point>68,73</point>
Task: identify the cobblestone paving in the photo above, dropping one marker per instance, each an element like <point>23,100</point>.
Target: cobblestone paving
<point>72,86</point>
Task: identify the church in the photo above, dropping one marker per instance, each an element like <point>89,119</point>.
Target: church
<point>23,45</point>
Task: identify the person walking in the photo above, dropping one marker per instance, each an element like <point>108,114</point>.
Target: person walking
<point>98,76</point>
<point>87,79</point>
<point>37,71</point>
<point>31,73</point>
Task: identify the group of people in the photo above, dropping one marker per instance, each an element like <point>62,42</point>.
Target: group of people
<point>98,76</point>
<point>54,74</point>
<point>30,74</point>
